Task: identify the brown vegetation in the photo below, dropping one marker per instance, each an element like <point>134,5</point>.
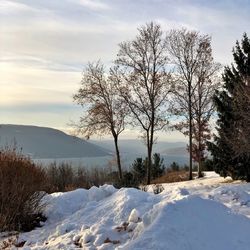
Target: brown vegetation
<point>64,177</point>
<point>173,176</point>
<point>21,183</point>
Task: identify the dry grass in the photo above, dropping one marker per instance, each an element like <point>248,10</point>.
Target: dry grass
<point>172,176</point>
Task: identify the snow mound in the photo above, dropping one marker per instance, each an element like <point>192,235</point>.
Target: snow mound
<point>195,223</point>
<point>200,214</point>
<point>61,205</point>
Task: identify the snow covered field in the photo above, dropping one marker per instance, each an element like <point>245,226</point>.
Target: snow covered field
<point>201,214</point>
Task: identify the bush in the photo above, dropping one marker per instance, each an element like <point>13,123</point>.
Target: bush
<point>158,167</point>
<point>64,177</point>
<point>127,180</point>
<point>59,177</point>
<point>138,172</point>
<point>174,166</point>
<point>21,183</point>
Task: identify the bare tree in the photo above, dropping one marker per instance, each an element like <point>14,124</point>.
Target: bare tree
<point>191,54</point>
<point>203,107</point>
<point>145,82</point>
<point>105,111</point>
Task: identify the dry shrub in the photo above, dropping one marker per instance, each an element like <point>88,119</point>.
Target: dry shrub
<point>173,176</point>
<point>21,182</point>
<point>63,177</point>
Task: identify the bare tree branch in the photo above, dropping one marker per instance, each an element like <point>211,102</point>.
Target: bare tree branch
<point>145,82</point>
<point>191,53</point>
<point>105,111</point>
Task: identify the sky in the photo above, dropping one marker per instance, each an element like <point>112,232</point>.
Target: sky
<point>45,45</point>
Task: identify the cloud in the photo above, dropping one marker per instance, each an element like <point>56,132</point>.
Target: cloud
<point>225,21</point>
<point>36,62</point>
<point>36,107</point>
<point>27,85</point>
<point>7,6</point>
<point>93,4</point>
<point>45,44</point>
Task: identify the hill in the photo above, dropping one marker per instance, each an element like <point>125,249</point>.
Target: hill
<point>42,142</point>
<point>176,151</point>
<point>131,149</point>
<point>132,146</point>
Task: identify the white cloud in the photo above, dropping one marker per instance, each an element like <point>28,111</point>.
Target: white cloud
<point>93,4</point>
<point>45,44</point>
<point>7,6</point>
<point>24,85</point>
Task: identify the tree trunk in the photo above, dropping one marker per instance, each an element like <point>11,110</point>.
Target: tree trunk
<point>200,169</point>
<point>199,162</point>
<point>190,132</point>
<point>200,128</point>
<point>149,164</point>
<point>199,146</point>
<point>149,158</point>
<point>118,159</point>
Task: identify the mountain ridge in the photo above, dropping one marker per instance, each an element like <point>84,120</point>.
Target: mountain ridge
<point>45,142</point>
<point>132,146</point>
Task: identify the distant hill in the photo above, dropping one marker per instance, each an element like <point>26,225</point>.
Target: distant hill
<point>137,147</point>
<point>42,142</point>
<point>131,149</point>
<point>176,151</point>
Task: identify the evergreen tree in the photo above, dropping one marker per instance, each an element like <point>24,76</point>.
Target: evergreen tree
<point>227,161</point>
<point>174,166</point>
<point>139,167</point>
<point>158,167</point>
<point>138,170</point>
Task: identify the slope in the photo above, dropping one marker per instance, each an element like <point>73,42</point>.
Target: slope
<point>42,142</point>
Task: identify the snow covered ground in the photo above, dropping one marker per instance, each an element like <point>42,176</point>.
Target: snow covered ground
<point>201,214</point>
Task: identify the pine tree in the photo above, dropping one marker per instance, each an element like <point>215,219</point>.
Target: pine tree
<point>158,167</point>
<point>227,160</point>
<point>174,166</point>
<point>139,167</point>
<point>138,170</point>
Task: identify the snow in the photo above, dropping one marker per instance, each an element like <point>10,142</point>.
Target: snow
<point>207,213</point>
<point>60,205</point>
<point>134,216</point>
<point>195,223</point>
